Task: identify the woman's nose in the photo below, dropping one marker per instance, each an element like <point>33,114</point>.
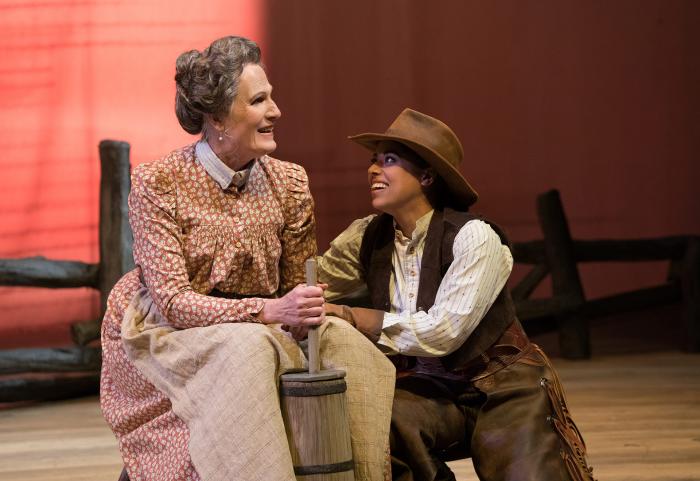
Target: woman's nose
<point>274,112</point>
<point>373,168</point>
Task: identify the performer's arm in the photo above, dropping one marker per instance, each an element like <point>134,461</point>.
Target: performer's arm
<point>298,237</point>
<point>479,271</point>
<point>340,266</point>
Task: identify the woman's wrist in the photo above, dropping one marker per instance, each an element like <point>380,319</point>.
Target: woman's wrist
<point>266,314</point>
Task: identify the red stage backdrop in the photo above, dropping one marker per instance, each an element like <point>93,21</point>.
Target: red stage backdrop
<point>74,73</point>
<point>597,98</point>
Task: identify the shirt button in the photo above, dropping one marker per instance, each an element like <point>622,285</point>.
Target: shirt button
<point>410,250</point>
<point>413,273</point>
<point>411,295</point>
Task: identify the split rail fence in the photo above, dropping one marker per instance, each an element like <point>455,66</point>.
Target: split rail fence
<point>46,374</point>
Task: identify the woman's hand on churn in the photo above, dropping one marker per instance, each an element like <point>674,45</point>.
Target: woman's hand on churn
<point>302,306</point>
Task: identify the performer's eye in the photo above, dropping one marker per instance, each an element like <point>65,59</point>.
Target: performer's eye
<point>383,159</point>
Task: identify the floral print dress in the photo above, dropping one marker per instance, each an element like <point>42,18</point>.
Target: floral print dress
<point>207,255</point>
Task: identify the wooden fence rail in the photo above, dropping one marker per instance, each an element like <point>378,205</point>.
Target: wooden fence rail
<point>42,272</point>
<point>568,311</point>
<point>56,373</point>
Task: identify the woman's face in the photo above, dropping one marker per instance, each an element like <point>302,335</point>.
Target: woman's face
<point>248,128</point>
<point>395,180</point>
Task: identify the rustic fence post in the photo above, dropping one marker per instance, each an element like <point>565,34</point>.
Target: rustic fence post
<point>574,337</point>
<point>115,237</point>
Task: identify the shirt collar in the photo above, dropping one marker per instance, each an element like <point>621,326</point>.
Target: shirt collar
<point>220,172</point>
<point>419,232</point>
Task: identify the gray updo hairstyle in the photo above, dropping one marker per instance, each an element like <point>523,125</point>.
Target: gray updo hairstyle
<point>207,81</point>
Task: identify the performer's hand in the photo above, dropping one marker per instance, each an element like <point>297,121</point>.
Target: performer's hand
<point>302,306</point>
<point>368,321</point>
<point>299,333</point>
<point>337,311</point>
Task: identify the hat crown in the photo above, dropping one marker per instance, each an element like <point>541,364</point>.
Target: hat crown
<point>428,132</point>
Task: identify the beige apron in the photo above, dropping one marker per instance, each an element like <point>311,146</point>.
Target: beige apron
<point>222,381</point>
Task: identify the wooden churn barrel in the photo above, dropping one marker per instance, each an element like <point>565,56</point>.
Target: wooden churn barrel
<point>315,415</point>
<point>315,418</point>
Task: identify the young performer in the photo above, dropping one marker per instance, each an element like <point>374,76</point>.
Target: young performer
<point>467,375</point>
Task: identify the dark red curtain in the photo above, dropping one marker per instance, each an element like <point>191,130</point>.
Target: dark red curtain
<point>598,99</point>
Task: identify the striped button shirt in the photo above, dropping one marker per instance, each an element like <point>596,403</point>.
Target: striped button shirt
<point>471,284</point>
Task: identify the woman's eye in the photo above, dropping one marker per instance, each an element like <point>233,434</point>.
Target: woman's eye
<point>383,159</point>
<point>257,100</point>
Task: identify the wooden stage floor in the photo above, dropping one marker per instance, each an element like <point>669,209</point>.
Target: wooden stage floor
<point>639,414</point>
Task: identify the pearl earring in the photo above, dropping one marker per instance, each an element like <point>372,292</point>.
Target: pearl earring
<point>221,136</point>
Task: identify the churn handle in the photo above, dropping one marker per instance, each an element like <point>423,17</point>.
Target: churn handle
<point>314,363</point>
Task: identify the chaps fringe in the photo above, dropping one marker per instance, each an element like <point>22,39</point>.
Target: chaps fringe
<point>574,448</point>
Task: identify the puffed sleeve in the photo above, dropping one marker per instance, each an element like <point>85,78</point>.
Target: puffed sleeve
<point>298,236</point>
<point>158,252</point>
<point>340,266</point>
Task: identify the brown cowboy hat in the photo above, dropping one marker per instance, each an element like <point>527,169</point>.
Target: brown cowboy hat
<point>435,143</point>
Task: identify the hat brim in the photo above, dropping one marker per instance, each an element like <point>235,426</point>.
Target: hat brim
<point>463,195</point>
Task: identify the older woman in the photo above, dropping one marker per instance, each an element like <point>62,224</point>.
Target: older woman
<point>192,348</point>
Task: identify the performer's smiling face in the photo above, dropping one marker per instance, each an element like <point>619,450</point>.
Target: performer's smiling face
<point>249,124</point>
<point>395,177</point>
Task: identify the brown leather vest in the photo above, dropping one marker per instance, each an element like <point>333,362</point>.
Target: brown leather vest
<point>375,256</point>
